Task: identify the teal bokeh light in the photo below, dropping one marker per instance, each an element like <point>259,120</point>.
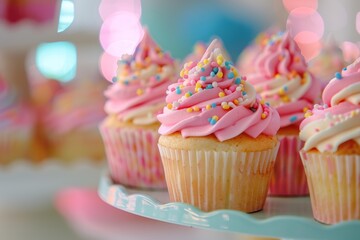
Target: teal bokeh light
<point>57,60</point>
<point>67,15</point>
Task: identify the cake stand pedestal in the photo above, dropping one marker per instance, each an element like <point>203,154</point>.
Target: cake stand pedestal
<point>286,218</point>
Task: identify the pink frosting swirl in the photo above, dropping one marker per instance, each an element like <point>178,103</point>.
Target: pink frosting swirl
<point>344,87</point>
<point>283,81</point>
<point>139,90</point>
<point>210,98</point>
<point>327,127</point>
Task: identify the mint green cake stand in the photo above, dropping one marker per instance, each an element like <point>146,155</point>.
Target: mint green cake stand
<point>286,218</point>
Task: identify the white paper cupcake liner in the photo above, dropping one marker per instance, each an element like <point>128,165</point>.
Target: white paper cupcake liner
<point>213,180</point>
<point>334,185</point>
<point>133,157</point>
<point>289,177</point>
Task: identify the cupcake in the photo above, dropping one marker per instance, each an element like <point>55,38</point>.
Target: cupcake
<point>70,122</point>
<point>331,153</point>
<point>130,131</point>
<point>330,60</point>
<point>217,143</point>
<point>282,79</point>
<point>16,124</point>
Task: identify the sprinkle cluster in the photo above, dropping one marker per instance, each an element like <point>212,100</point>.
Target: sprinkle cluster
<point>130,68</point>
<point>209,74</point>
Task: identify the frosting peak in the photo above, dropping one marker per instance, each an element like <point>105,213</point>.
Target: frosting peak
<point>328,126</point>
<point>282,79</point>
<point>211,98</point>
<point>138,92</point>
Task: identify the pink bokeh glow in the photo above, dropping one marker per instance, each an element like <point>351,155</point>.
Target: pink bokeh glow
<point>109,7</point>
<point>350,50</point>
<point>292,4</point>
<point>305,20</point>
<point>120,34</point>
<point>108,66</point>
<point>309,44</point>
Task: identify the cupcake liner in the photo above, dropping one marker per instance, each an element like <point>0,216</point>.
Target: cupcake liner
<point>334,185</point>
<point>133,157</point>
<point>14,145</point>
<point>289,177</point>
<point>213,180</point>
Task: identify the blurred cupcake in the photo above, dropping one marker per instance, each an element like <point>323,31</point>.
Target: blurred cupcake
<point>283,80</point>
<point>331,154</point>
<point>17,124</point>
<point>130,131</point>
<point>245,62</point>
<point>218,143</point>
<point>70,122</point>
<point>330,60</point>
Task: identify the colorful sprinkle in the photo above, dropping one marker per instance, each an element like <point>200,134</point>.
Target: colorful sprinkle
<point>178,91</point>
<point>344,69</point>
<point>212,121</point>
<point>338,75</point>
<point>293,119</point>
<point>206,61</point>
<point>220,74</point>
<point>169,106</point>
<point>196,108</point>
<point>114,79</point>
<point>212,74</point>
<point>220,59</point>
<point>263,115</point>
<point>237,81</point>
<point>202,69</point>
<point>188,94</point>
<point>215,84</point>
<point>157,77</point>
<point>139,91</point>
<point>208,107</point>
<point>203,78</point>
<point>209,86</point>
<point>189,110</point>
<point>213,105</point>
<point>230,75</point>
<point>221,94</point>
<point>215,70</point>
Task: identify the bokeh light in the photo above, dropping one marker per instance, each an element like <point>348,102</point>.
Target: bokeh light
<point>108,66</point>
<point>109,7</point>
<point>120,33</point>
<point>309,44</point>
<point>305,20</point>
<point>351,51</point>
<point>293,4</point>
<point>67,15</point>
<point>57,60</point>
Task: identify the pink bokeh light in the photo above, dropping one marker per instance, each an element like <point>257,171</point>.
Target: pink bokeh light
<point>293,4</point>
<point>309,44</point>
<point>109,7</point>
<point>121,33</point>
<point>358,22</point>
<point>305,20</point>
<point>351,51</point>
<point>108,66</point>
